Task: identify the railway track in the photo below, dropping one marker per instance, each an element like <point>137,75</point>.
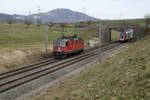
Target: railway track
<point>15,78</point>
<point>39,64</point>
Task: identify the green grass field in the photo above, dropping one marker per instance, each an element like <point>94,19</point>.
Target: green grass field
<point>125,76</point>
<point>18,36</point>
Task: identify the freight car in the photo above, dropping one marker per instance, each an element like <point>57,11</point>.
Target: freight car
<point>62,47</point>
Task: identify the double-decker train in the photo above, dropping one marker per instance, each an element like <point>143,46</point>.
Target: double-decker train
<point>62,47</point>
<point>126,35</point>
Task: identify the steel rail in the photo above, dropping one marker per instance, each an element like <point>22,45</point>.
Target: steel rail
<point>32,76</point>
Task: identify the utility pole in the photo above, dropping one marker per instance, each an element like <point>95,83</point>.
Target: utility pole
<point>46,39</point>
<point>39,12</point>
<point>38,22</point>
<point>84,11</point>
<point>29,14</point>
<point>100,33</point>
<point>120,16</point>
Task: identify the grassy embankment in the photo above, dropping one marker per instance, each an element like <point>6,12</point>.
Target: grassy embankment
<point>125,76</point>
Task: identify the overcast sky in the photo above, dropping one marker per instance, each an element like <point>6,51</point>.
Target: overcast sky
<point>105,9</point>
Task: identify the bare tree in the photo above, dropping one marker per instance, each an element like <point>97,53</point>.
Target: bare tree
<point>89,23</point>
<point>62,25</point>
<point>39,22</point>
<point>51,24</point>
<point>81,24</point>
<point>10,22</point>
<point>28,22</point>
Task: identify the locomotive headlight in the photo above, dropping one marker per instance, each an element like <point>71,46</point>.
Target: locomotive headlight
<point>59,49</point>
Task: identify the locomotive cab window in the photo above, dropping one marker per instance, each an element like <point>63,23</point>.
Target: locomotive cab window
<point>63,43</point>
<point>122,34</point>
<point>55,43</point>
<point>67,43</point>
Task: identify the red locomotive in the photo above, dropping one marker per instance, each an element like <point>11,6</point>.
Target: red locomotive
<point>65,46</point>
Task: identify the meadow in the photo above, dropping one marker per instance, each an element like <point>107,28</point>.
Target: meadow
<point>18,36</point>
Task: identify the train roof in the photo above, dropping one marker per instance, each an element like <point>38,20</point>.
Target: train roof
<point>69,38</point>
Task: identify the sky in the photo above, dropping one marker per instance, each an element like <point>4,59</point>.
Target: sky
<point>104,9</point>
